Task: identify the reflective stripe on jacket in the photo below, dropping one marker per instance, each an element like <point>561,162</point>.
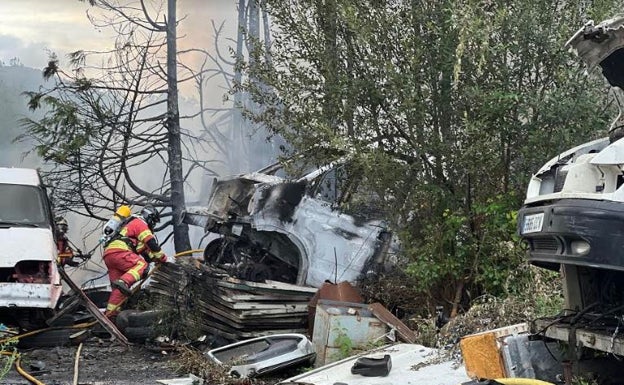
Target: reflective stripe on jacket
<point>137,232</point>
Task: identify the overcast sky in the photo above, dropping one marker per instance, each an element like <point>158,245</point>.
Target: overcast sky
<point>31,28</point>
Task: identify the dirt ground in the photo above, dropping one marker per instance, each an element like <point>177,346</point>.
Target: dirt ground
<point>105,362</point>
<point>100,363</point>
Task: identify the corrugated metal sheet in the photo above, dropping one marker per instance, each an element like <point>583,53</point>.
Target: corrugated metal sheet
<point>232,308</point>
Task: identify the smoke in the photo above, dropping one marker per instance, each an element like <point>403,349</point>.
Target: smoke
<point>238,146</point>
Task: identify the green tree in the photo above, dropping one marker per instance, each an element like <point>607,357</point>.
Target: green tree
<point>445,107</point>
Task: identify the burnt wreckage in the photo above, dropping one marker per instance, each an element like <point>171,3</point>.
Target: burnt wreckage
<point>272,228</point>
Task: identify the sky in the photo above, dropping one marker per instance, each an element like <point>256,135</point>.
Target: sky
<point>30,29</point>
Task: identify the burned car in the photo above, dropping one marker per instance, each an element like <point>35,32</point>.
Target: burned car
<point>289,230</point>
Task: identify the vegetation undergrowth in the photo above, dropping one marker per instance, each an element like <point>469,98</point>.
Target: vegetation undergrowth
<point>8,355</point>
<point>538,294</point>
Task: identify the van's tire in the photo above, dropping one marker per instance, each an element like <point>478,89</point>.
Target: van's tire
<point>47,339</point>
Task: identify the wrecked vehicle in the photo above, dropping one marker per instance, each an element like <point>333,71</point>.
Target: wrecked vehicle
<point>574,203</point>
<point>29,280</point>
<point>272,228</point>
<point>390,364</point>
<point>264,355</point>
<point>573,216</point>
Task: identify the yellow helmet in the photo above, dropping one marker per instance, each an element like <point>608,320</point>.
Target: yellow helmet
<point>123,211</point>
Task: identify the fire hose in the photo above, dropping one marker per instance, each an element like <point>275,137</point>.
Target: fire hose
<point>522,381</point>
<point>84,325</point>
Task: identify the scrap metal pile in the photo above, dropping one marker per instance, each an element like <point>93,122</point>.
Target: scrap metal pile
<point>207,300</point>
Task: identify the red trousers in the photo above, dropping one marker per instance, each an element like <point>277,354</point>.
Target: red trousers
<point>124,265</point>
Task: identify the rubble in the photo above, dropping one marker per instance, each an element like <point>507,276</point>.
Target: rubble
<point>209,301</point>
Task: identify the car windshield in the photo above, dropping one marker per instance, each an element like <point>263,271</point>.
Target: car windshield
<point>22,206</point>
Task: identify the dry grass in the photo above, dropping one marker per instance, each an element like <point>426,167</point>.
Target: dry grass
<point>193,361</point>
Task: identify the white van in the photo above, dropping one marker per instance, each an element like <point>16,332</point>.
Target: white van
<point>29,280</point>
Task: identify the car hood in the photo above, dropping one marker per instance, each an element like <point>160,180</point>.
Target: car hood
<point>602,44</point>
<point>25,243</point>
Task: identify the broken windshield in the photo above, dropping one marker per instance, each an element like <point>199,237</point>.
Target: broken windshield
<point>22,206</point>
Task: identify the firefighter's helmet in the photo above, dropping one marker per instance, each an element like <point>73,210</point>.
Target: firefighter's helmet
<point>61,225</point>
<point>150,215</point>
<point>123,211</point>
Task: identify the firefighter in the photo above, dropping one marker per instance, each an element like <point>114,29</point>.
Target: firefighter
<point>128,254</point>
<point>66,253</point>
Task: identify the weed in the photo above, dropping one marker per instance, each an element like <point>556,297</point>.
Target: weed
<point>583,381</point>
<point>344,343</point>
<point>8,356</point>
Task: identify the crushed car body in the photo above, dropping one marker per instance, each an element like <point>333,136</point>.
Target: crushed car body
<point>264,355</point>
<point>271,228</point>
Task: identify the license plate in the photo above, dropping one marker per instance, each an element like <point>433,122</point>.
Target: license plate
<point>237,230</point>
<point>533,223</point>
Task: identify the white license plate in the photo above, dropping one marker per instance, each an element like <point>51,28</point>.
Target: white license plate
<point>237,230</point>
<point>533,223</point>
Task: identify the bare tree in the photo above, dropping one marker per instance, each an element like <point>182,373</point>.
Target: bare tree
<point>111,130</point>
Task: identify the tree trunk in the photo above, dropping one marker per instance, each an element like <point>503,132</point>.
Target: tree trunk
<point>181,239</point>
<point>459,289</point>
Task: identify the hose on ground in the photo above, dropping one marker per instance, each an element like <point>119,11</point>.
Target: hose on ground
<point>522,381</point>
<point>20,370</point>
<point>84,325</point>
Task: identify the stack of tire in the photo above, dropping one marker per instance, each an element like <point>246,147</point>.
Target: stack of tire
<point>138,326</point>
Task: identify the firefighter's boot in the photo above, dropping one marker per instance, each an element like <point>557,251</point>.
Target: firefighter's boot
<point>122,286</point>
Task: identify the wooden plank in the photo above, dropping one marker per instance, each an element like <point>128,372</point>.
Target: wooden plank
<point>269,307</point>
<point>250,316</point>
<point>265,333</point>
<point>93,309</point>
<point>405,333</point>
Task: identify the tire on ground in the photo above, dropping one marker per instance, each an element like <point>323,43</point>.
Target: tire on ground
<point>48,338</point>
<point>139,334</point>
<point>137,318</point>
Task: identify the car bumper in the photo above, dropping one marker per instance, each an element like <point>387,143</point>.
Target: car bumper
<point>597,226</point>
<point>29,295</point>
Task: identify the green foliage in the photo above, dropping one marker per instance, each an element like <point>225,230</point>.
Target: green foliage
<point>537,289</point>
<point>446,108</point>
<point>344,343</point>
<point>580,380</point>
<point>62,132</point>
<point>8,356</point>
